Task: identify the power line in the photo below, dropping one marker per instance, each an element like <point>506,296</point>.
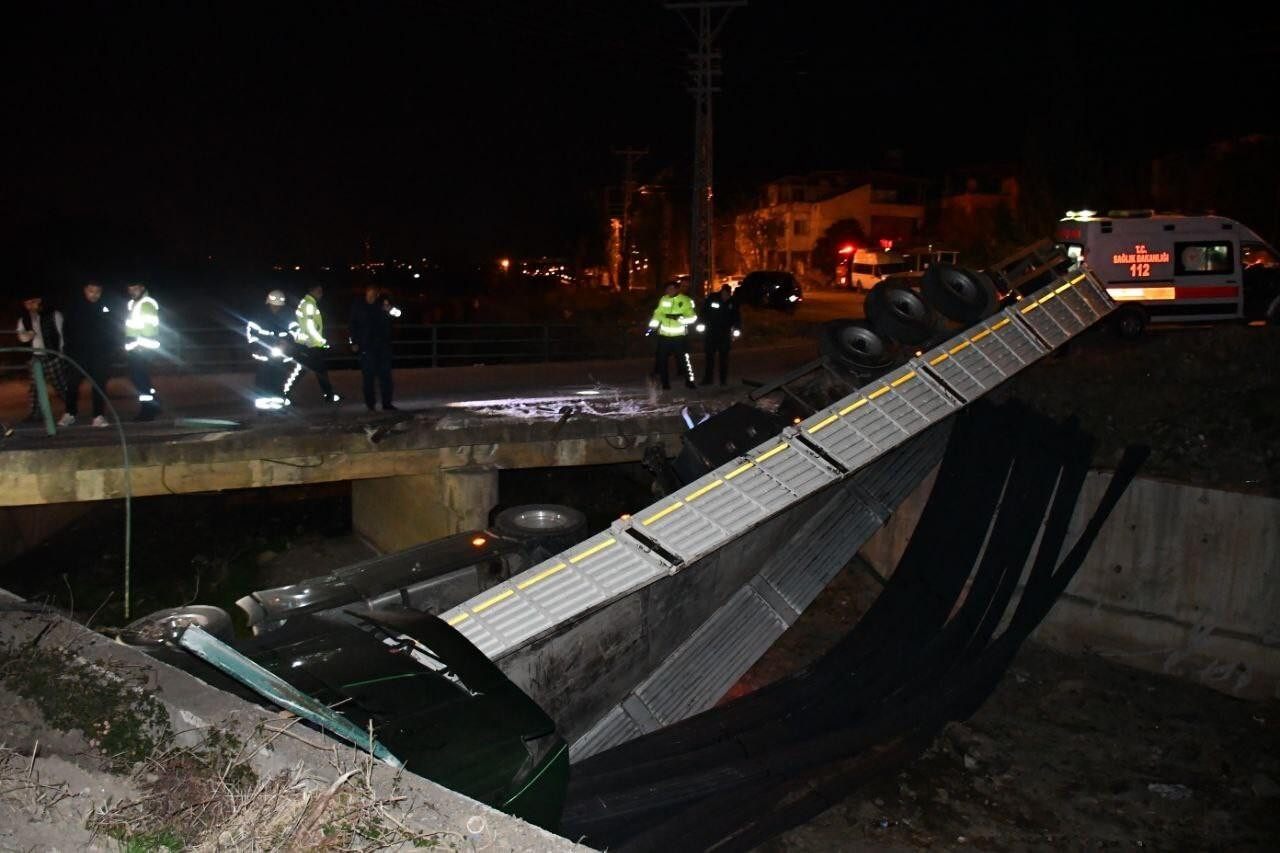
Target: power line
<point>704,74</point>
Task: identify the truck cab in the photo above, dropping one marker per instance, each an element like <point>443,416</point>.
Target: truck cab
<point>1169,268</point>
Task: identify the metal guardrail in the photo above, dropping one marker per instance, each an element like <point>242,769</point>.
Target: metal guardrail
<point>200,349</point>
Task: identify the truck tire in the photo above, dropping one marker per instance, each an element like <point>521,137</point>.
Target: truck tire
<point>1129,322</point>
<point>855,345</point>
<point>554,527</point>
<point>959,294</point>
<point>897,312</point>
<point>165,625</point>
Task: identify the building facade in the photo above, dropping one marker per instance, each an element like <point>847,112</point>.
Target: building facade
<point>794,212</point>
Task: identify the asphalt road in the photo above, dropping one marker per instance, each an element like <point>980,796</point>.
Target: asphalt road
<point>822,305</point>
<point>229,396</point>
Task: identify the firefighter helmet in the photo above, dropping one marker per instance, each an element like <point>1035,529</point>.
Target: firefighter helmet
<point>275,297</point>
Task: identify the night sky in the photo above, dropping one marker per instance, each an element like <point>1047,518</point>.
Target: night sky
<point>278,131</point>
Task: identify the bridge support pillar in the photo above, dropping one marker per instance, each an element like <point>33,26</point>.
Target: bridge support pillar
<point>394,513</point>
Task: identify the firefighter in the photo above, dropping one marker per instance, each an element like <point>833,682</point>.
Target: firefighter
<point>41,329</point>
<point>370,339</point>
<point>720,323</point>
<point>141,343</point>
<point>671,321</point>
<point>91,336</point>
<point>311,340</point>
<point>271,343</point>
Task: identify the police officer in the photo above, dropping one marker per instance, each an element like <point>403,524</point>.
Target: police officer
<point>41,329</point>
<point>311,340</point>
<point>141,343</point>
<point>91,338</point>
<point>370,339</point>
<point>271,343</point>
<point>720,322</point>
<point>671,321</point>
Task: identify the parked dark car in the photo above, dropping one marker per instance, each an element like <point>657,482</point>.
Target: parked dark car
<point>770,289</point>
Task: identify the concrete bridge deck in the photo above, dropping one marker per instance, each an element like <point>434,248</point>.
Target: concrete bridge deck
<point>440,455</point>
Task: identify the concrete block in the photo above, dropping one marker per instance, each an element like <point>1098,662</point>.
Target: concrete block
<point>394,513</point>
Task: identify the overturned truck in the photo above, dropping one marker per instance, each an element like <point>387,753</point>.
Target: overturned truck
<point>629,638</point>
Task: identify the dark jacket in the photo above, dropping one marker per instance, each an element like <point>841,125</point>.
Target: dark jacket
<point>720,315</point>
<point>92,329</point>
<point>370,327</point>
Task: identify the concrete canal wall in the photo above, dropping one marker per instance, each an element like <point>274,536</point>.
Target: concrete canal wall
<point>1182,580</point>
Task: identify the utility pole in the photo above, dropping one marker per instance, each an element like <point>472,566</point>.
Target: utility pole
<point>710,19</point>
<point>629,157</point>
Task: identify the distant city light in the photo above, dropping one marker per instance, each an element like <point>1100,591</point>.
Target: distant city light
<point>417,275</point>
<point>505,263</point>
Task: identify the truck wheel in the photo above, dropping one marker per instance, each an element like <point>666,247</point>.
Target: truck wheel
<point>165,625</point>
<point>896,311</point>
<point>552,526</point>
<point>959,294</point>
<point>854,344</point>
<point>1129,322</point>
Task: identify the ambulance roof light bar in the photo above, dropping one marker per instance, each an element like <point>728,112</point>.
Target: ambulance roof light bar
<point>1079,215</point>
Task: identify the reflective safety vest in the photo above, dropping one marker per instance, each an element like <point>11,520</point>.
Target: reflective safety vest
<point>268,341</point>
<point>673,316</point>
<point>142,324</point>
<point>310,323</point>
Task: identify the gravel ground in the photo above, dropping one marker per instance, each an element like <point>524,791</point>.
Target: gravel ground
<point>1070,752</point>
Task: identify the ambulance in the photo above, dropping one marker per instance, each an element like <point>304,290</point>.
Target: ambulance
<point>1168,268</point>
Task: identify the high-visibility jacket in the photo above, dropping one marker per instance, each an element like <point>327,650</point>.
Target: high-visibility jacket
<point>269,336</point>
<point>673,316</point>
<point>310,323</point>
<point>142,324</point>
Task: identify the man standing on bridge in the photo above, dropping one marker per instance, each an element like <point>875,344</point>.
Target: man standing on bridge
<point>141,343</point>
<point>370,339</point>
<point>311,340</point>
<point>91,337</point>
<point>672,319</point>
<point>720,322</point>
<point>42,330</point>
<point>270,338</point>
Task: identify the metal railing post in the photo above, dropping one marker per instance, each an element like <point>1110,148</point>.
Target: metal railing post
<point>42,394</point>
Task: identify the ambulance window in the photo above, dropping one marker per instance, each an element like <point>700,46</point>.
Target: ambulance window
<point>1255,255</point>
<point>1202,258</point>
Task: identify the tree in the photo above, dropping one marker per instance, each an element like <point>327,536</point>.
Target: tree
<point>826,248</point>
<point>761,231</point>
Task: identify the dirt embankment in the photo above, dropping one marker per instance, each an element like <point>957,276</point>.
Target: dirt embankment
<point>1069,753</point>
<point>1207,401</point>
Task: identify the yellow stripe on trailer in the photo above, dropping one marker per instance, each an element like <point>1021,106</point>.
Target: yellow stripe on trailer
<point>541,576</point>
<point>663,514</point>
<point>593,550</point>
<point>771,453</point>
<point>825,422</point>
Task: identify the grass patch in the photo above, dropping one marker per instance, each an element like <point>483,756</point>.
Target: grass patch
<point>112,708</point>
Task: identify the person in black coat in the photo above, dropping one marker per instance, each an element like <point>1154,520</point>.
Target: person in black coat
<point>721,323</point>
<point>91,339</point>
<point>370,338</point>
